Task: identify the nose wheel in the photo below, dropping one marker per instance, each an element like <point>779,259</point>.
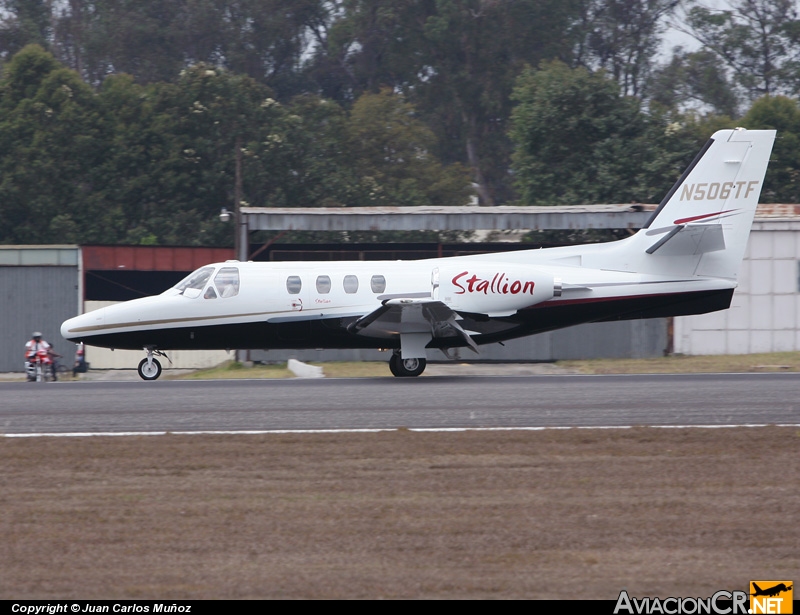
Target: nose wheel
<point>406,368</point>
<point>150,368</point>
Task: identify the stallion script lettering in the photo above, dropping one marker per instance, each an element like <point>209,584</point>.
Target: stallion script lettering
<point>500,284</point>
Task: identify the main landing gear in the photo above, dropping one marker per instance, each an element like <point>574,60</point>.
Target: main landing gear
<point>150,368</point>
<point>406,368</point>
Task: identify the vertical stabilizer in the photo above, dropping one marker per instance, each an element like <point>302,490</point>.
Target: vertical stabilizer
<point>702,225</point>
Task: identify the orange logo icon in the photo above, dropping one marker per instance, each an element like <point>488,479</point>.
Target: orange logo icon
<point>771,597</point>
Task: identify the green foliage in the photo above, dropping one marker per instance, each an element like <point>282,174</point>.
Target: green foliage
<point>51,145</point>
<point>574,133</point>
<point>23,76</point>
<point>357,102</point>
<point>22,23</point>
<point>392,151</point>
<point>579,141</point>
<point>694,79</point>
<point>154,164</point>
<point>622,38</point>
<point>782,182</point>
<point>758,41</point>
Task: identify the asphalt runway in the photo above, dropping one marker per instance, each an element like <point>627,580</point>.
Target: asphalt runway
<point>391,403</point>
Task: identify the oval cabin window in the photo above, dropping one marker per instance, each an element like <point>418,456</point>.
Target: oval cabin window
<point>350,284</point>
<point>378,284</point>
<point>294,284</point>
<point>323,284</point>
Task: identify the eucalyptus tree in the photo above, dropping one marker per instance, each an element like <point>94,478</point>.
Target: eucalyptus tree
<point>758,41</point>
<point>694,80</point>
<point>623,38</point>
<point>455,60</point>
<point>24,22</point>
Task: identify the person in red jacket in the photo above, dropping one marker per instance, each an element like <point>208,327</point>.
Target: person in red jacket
<point>35,348</point>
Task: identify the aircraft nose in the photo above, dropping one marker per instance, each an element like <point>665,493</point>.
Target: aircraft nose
<point>79,326</point>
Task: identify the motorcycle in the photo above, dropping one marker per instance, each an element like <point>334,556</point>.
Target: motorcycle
<point>40,367</point>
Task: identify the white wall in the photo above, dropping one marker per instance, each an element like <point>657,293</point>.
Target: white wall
<point>765,312</point>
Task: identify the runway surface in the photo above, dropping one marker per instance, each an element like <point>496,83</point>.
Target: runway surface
<point>391,403</point>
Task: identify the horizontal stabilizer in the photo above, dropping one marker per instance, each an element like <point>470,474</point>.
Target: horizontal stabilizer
<point>686,239</point>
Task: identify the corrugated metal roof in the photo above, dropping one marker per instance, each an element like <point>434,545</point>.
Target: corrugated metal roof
<point>436,210</point>
<point>39,256</point>
<point>632,215</point>
<point>778,210</point>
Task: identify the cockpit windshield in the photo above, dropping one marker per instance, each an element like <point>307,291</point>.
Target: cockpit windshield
<point>225,283</point>
<point>195,281</point>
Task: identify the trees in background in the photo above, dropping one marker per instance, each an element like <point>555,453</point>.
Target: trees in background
<point>50,124</point>
<point>782,182</point>
<point>454,60</point>
<point>622,37</point>
<point>757,41</point>
<point>155,163</point>
<point>578,140</point>
<point>127,121</point>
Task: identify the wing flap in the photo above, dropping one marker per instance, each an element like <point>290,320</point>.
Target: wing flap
<point>412,315</point>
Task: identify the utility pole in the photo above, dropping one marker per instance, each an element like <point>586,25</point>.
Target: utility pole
<point>241,238</point>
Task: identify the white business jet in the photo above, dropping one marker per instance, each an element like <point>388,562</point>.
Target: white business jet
<point>684,261</point>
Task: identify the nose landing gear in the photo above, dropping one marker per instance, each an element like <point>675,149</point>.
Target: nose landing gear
<point>150,368</point>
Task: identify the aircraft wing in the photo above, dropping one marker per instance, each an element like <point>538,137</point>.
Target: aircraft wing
<point>401,316</point>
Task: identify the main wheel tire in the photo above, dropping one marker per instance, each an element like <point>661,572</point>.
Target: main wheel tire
<point>149,371</point>
<point>406,368</point>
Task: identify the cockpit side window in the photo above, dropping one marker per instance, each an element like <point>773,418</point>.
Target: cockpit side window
<point>227,282</point>
<point>195,281</point>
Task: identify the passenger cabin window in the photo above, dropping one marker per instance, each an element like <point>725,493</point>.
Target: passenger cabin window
<point>294,284</point>
<point>227,282</point>
<point>323,284</point>
<point>350,284</point>
<point>378,284</point>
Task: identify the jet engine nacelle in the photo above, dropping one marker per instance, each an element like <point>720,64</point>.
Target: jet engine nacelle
<point>496,289</point>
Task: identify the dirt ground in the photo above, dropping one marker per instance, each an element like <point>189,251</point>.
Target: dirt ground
<point>549,514</point>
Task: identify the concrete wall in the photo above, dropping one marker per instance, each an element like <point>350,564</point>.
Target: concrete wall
<point>765,311</point>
